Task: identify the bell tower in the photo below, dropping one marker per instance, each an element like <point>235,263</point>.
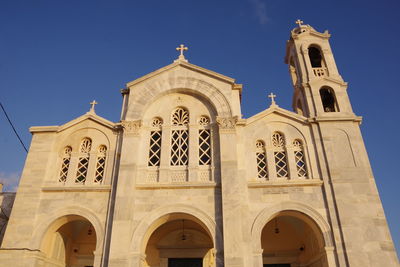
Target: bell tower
<point>319,90</point>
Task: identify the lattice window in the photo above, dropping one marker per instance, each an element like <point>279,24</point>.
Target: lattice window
<point>300,159</point>
<point>204,147</point>
<point>101,164</point>
<point>204,141</point>
<point>180,138</point>
<point>179,147</point>
<point>155,143</point>
<point>278,142</point>
<point>83,161</point>
<point>262,170</point>
<point>66,159</point>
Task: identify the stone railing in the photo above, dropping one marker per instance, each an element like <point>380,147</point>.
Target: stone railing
<point>320,72</point>
<point>176,176</point>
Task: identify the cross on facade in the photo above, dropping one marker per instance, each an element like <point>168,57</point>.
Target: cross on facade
<point>299,22</point>
<point>92,104</point>
<point>272,96</point>
<point>182,48</point>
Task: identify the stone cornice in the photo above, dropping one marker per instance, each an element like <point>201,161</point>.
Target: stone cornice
<point>132,127</point>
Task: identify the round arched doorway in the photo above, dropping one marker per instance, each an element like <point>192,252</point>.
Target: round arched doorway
<point>179,240</point>
<point>70,241</point>
<point>292,239</point>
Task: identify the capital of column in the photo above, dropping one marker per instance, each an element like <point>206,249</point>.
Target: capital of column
<point>227,123</point>
<point>131,127</point>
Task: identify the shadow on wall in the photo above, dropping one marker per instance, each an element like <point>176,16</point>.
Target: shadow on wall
<point>6,203</point>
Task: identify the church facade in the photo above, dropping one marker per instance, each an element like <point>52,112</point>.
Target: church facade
<point>184,180</point>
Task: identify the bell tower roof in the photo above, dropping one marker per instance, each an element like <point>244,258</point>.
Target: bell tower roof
<point>306,30</point>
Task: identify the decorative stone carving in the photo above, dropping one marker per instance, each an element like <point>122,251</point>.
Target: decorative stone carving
<point>227,123</point>
<point>132,127</point>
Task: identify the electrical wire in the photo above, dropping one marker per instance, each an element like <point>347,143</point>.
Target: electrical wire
<point>12,126</point>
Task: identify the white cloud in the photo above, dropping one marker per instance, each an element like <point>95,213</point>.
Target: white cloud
<point>9,180</point>
<point>260,10</point>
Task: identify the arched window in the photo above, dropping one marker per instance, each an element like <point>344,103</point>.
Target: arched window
<point>204,141</point>
<point>328,100</point>
<point>180,137</point>
<point>83,161</point>
<point>315,57</point>
<point>101,164</point>
<point>300,159</point>
<point>155,142</point>
<point>66,159</point>
<point>262,171</point>
<point>278,143</point>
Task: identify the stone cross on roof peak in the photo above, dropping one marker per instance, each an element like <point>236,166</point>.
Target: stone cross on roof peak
<point>92,104</point>
<point>181,57</point>
<point>272,96</point>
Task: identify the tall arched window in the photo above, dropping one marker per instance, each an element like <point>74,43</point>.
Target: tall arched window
<point>101,164</point>
<point>315,57</point>
<point>155,142</point>
<point>66,159</point>
<point>262,171</point>
<point>83,161</point>
<point>278,142</point>
<point>204,141</point>
<point>300,159</point>
<point>180,137</point>
<point>328,99</point>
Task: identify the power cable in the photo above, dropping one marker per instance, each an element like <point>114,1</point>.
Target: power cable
<point>12,126</point>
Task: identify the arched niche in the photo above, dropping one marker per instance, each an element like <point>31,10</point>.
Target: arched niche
<point>293,234</point>
<point>70,240</point>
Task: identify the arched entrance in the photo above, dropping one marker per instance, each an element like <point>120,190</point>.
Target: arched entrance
<point>292,239</point>
<point>179,239</point>
<point>70,241</point>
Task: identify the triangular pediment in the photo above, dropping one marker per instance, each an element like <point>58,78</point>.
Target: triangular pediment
<point>185,65</point>
<point>87,116</point>
<point>275,109</point>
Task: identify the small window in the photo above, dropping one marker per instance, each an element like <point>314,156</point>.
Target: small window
<point>328,100</point>
<point>155,143</point>
<point>101,164</point>
<point>261,157</point>
<point>300,159</point>
<point>204,141</point>
<point>66,159</point>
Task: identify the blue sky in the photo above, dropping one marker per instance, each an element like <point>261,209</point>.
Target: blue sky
<point>57,56</point>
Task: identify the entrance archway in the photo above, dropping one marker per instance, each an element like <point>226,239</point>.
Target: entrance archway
<point>292,239</point>
<point>70,241</point>
<point>179,239</point>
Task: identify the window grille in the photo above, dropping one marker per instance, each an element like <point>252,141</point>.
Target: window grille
<point>281,165</point>
<point>300,159</point>
<point>204,142</point>
<point>101,164</point>
<point>66,159</point>
<point>155,143</point>
<point>83,161</point>
<point>180,138</point>
<point>262,170</point>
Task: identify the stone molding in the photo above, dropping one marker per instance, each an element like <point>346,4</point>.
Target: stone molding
<point>132,127</point>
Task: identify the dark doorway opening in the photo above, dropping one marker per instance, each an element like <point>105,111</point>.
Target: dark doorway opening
<point>185,262</point>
